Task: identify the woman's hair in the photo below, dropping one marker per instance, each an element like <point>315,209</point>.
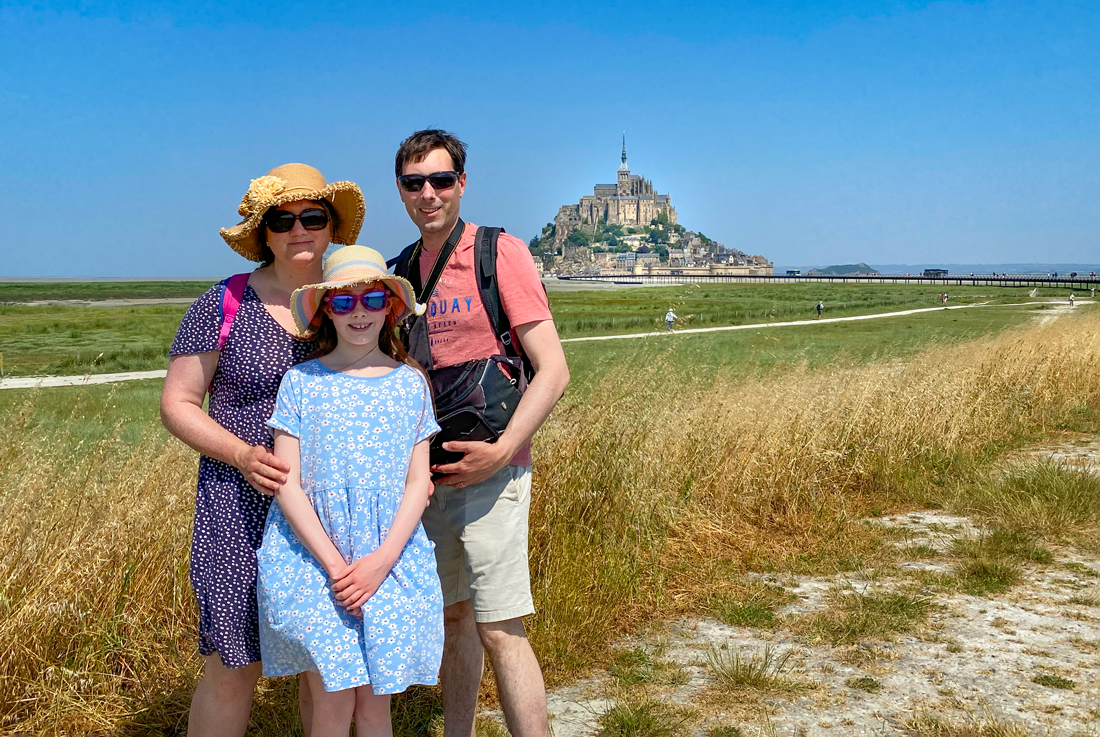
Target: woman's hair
<point>388,341</point>
<point>266,256</point>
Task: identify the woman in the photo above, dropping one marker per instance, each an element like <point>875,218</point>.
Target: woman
<point>291,216</point>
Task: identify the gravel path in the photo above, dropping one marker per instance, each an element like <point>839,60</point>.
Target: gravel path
<point>793,323</point>
<point>31,382</point>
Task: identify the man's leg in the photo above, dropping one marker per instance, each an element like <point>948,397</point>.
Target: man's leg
<point>519,677</point>
<point>461,671</point>
<point>491,583</point>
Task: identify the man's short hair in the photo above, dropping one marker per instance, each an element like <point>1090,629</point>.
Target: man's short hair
<point>416,148</point>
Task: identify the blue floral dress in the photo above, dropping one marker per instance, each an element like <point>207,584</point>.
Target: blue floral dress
<point>356,436</point>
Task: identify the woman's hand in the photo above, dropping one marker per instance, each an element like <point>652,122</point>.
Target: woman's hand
<point>358,582</point>
<point>264,470</point>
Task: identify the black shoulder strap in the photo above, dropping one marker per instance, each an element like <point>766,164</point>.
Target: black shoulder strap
<point>485,256</point>
<point>400,262</point>
<point>414,331</point>
<point>407,264</point>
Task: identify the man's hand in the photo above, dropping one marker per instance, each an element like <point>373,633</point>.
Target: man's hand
<point>480,461</point>
<point>357,583</point>
<point>264,470</point>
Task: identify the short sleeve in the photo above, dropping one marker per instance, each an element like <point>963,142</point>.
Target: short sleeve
<point>426,426</point>
<point>288,405</point>
<point>521,290</point>
<point>201,324</point>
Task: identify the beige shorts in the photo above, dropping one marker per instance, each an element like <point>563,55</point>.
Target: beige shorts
<point>480,536</point>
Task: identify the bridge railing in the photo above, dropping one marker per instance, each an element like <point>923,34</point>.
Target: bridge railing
<point>1079,282</point>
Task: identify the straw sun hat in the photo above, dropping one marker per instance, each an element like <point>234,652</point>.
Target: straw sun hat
<point>290,183</point>
<point>345,267</point>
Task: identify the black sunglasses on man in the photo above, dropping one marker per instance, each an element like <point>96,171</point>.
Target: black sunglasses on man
<point>438,180</point>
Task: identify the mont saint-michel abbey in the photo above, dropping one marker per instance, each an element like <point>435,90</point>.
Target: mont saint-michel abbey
<point>631,201</point>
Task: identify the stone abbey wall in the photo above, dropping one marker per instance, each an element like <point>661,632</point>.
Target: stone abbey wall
<point>630,202</point>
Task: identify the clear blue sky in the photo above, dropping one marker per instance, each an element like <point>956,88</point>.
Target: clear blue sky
<point>811,133</point>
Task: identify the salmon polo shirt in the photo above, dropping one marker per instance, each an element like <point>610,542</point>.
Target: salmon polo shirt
<point>458,328</point>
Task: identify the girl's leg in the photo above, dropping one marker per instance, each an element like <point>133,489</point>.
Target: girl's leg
<point>305,705</point>
<point>223,699</point>
<point>372,714</point>
<point>332,710</point>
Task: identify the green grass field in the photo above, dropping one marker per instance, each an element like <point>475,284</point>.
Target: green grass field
<point>708,305</point>
<point>61,340</point>
<point>55,340</point>
<point>757,351</point>
<point>129,409</point>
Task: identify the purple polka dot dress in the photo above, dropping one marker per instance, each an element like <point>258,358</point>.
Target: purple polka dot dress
<point>229,513</point>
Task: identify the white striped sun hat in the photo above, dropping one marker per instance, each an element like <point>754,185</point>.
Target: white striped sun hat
<point>346,267</point>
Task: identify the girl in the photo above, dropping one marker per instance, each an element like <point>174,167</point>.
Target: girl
<point>348,591</point>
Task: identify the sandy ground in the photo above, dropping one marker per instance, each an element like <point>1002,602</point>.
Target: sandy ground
<point>972,663</point>
<point>30,382</point>
<point>554,284</point>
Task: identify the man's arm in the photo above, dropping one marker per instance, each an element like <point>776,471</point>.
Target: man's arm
<point>481,460</point>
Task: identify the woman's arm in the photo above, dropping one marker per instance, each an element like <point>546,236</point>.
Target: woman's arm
<point>181,412</point>
<point>361,579</point>
<point>299,512</point>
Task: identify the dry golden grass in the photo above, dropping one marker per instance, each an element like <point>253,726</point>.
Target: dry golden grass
<point>648,494</point>
<point>649,497</point>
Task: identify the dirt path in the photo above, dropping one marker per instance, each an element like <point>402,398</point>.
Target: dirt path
<point>30,382</point>
<point>979,665</point>
<point>793,323</point>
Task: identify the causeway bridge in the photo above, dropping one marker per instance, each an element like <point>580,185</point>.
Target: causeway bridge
<point>1081,282</point>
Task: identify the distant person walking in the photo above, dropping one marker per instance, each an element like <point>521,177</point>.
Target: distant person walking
<point>820,308</point>
<point>943,299</point>
<point>1071,299</point>
<point>235,343</point>
<point>669,317</point>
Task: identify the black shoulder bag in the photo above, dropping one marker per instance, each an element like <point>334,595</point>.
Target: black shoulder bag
<point>474,400</point>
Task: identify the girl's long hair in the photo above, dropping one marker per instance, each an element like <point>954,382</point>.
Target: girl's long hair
<point>388,339</point>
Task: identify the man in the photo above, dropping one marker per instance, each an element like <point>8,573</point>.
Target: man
<point>820,308</point>
<point>478,515</point>
<point>670,316</point>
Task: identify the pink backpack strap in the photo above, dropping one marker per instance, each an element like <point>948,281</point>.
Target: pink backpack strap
<point>231,302</point>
